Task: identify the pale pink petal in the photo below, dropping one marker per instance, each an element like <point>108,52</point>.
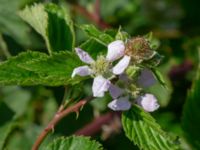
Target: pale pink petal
<point>81,71</point>
<point>100,86</point>
<point>115,91</point>
<point>84,56</point>
<point>120,104</point>
<point>148,102</point>
<point>146,78</point>
<point>121,65</point>
<point>115,50</point>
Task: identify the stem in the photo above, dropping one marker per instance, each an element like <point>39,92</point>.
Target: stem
<point>57,117</point>
<point>93,17</point>
<point>96,125</point>
<point>97,10</point>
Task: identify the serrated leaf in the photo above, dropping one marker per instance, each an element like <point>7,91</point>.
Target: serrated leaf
<point>35,68</point>
<point>101,37</point>
<point>142,129</point>
<point>36,17</point>
<point>12,74</point>
<point>52,23</point>
<point>74,143</point>
<point>191,116</point>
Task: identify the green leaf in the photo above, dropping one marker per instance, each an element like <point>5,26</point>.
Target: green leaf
<point>60,29</point>
<point>5,130</point>
<point>12,74</point>
<point>52,23</point>
<point>159,77</point>
<point>35,68</point>
<point>13,26</point>
<point>93,47</point>
<point>143,130</point>
<point>191,116</point>
<point>74,143</point>
<point>101,37</point>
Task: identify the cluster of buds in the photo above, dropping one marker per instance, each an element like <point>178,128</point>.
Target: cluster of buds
<point>124,80</point>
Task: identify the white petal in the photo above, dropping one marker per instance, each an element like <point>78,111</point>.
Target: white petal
<point>115,50</point>
<point>82,71</point>
<point>115,91</point>
<point>100,86</point>
<point>148,102</point>
<point>146,78</point>
<point>120,104</point>
<point>121,65</point>
<point>84,56</point>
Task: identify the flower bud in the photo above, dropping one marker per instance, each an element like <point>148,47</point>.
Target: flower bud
<point>148,102</point>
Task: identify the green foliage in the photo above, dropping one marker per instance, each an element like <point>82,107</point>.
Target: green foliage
<point>101,37</point>
<point>159,77</point>
<point>13,26</point>
<point>191,116</point>
<point>5,130</point>
<point>142,129</point>
<point>17,99</point>
<point>35,68</point>
<point>74,143</point>
<point>52,23</point>
<point>93,47</point>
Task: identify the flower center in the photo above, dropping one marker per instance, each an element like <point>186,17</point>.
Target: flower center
<point>101,66</point>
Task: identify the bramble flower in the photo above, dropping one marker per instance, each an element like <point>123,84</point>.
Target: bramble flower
<point>101,69</point>
<point>148,102</point>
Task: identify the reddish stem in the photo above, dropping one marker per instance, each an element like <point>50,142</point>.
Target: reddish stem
<point>93,17</point>
<point>57,117</point>
<point>95,126</point>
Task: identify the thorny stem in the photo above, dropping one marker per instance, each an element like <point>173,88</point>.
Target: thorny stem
<point>61,113</point>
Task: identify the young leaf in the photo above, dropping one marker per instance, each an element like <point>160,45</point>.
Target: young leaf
<point>101,37</point>
<point>93,47</point>
<point>74,143</point>
<point>35,68</point>
<point>52,23</point>
<point>142,129</point>
<point>36,17</point>
<point>191,116</point>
